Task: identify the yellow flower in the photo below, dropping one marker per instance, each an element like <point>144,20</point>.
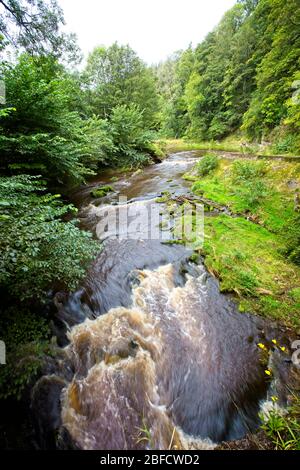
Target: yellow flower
<point>283,348</point>
<point>261,346</point>
<point>273,398</point>
<point>274,341</point>
<point>267,372</point>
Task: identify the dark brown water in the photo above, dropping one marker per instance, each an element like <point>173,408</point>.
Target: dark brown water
<point>157,357</point>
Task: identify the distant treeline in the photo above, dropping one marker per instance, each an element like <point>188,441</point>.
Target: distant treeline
<point>245,76</point>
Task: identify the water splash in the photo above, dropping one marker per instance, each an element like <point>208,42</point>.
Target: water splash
<point>180,358</point>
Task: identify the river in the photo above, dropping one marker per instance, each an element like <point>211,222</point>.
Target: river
<point>155,356</point>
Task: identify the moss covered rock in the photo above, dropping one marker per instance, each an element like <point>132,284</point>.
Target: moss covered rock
<point>101,191</point>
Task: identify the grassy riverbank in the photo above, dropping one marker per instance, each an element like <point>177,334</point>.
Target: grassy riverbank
<point>254,254</point>
<point>230,144</point>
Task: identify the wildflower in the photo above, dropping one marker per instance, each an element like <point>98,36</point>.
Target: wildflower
<point>273,398</point>
<point>268,372</point>
<point>283,348</point>
<point>274,341</point>
<point>261,346</point>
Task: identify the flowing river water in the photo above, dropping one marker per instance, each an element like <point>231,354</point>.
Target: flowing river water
<point>156,356</point>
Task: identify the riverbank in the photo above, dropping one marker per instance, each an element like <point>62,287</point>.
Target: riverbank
<point>255,253</point>
<point>234,145</point>
<point>251,246</point>
<point>230,249</point>
<point>237,263</point>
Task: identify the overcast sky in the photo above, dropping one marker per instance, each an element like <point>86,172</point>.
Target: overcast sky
<point>153,28</point>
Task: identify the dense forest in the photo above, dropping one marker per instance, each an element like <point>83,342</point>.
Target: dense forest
<point>61,124</point>
<point>243,78</point>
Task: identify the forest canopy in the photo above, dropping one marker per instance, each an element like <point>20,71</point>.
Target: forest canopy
<point>243,77</point>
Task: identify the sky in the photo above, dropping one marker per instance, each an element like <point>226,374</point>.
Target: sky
<point>153,28</point>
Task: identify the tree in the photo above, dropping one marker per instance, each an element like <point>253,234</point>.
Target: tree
<point>276,70</point>
<point>172,77</point>
<point>132,144</point>
<point>210,90</point>
<point>45,134</point>
<point>116,76</point>
<point>35,26</point>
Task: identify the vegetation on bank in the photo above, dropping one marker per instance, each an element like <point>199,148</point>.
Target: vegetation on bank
<point>58,127</point>
<point>243,78</point>
<point>282,428</point>
<point>238,91</point>
<point>255,251</point>
<point>232,144</point>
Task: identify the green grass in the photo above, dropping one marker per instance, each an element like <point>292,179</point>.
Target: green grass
<point>246,258</point>
<point>250,256</point>
<point>272,203</point>
<point>284,429</point>
<point>231,144</point>
<point>180,145</point>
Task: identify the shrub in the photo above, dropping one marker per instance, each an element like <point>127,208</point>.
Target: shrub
<point>284,429</point>
<point>243,170</point>
<point>38,249</point>
<point>41,130</point>
<point>207,164</point>
<point>132,144</point>
<point>247,178</point>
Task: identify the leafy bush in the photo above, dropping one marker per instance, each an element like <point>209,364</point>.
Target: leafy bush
<point>132,144</point>
<point>25,335</point>
<point>285,144</point>
<point>38,249</point>
<point>247,178</point>
<point>243,170</point>
<point>44,131</point>
<point>23,364</point>
<point>207,164</point>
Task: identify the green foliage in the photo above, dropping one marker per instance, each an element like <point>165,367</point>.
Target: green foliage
<point>25,335</point>
<point>207,164</point>
<point>35,25</point>
<point>101,191</point>
<point>38,249</point>
<point>284,428</point>
<point>172,77</point>
<point>132,145</point>
<point>254,258</point>
<point>115,76</point>
<point>280,43</point>
<point>23,365</point>
<point>44,131</point>
<point>245,170</point>
<point>244,75</point>
<point>248,183</point>
<point>292,236</point>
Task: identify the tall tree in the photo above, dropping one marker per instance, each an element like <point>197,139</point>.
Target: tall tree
<point>172,77</point>
<point>116,76</point>
<point>278,66</point>
<point>35,26</point>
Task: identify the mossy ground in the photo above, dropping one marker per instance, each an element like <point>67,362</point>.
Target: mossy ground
<point>249,256</point>
<point>247,259</point>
